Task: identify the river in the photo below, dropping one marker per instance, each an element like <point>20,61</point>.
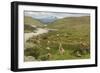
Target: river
<point>39,31</point>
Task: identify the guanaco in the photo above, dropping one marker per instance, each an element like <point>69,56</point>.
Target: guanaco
<point>84,46</point>
<point>61,49</point>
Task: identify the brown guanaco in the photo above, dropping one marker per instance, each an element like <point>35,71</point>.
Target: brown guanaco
<point>61,49</point>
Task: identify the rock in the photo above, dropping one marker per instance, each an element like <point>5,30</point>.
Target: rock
<point>29,58</point>
<point>48,48</point>
<point>78,54</point>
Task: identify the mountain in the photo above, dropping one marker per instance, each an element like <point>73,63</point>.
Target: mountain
<point>47,19</point>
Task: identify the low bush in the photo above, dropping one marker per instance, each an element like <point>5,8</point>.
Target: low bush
<point>35,52</point>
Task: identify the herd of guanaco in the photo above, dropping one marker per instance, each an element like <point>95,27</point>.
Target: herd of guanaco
<point>62,50</point>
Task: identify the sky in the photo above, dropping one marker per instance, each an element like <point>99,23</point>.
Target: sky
<point>40,15</point>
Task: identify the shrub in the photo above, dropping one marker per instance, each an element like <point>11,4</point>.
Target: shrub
<point>43,57</point>
<point>32,52</point>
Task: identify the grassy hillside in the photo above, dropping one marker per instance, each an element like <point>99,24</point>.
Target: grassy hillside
<point>70,22</point>
<point>30,21</point>
<point>71,32</point>
<point>74,27</point>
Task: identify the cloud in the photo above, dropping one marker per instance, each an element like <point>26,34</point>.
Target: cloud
<point>40,15</point>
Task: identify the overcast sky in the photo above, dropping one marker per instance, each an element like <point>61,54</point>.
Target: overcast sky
<point>40,15</point>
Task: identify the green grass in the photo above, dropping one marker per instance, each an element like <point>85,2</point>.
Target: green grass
<point>71,32</point>
<point>69,47</point>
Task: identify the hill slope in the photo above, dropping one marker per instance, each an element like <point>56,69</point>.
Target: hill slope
<point>70,21</point>
<point>30,24</point>
<point>30,21</point>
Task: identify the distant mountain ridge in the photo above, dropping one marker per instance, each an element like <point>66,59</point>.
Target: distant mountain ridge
<point>49,19</point>
<point>55,22</point>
